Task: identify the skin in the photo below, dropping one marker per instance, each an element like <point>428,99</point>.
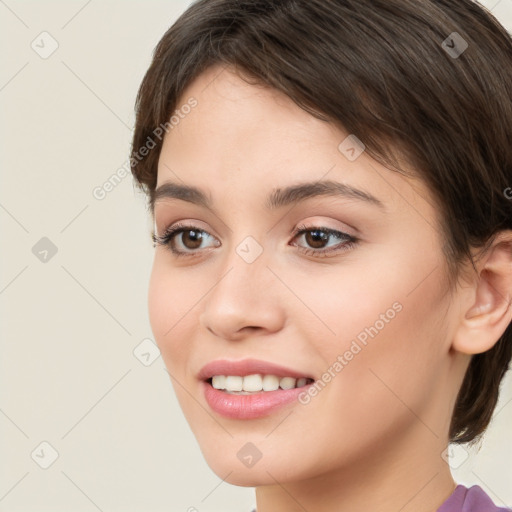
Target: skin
<point>372,438</point>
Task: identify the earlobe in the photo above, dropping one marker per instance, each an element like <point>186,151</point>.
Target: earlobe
<point>490,310</point>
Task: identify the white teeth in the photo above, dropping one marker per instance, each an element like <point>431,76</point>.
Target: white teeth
<point>255,383</point>
<point>219,382</point>
<point>270,383</point>
<point>234,383</point>
<point>287,383</point>
<point>252,383</point>
<point>301,382</point>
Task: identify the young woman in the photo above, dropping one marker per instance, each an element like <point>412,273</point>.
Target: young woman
<point>330,182</point>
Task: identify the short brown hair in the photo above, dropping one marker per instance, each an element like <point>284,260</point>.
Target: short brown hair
<point>430,80</point>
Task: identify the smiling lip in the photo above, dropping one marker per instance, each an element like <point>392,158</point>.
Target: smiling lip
<point>251,406</point>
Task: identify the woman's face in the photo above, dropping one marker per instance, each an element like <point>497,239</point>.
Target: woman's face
<point>362,311</point>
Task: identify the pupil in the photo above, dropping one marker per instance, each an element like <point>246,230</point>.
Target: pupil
<point>317,239</point>
<point>196,239</point>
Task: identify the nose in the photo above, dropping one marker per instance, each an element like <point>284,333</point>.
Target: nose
<point>246,300</point>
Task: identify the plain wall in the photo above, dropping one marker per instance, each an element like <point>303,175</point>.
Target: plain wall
<point>72,319</point>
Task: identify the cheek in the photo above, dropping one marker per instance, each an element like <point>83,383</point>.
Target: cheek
<point>382,312</point>
<point>170,308</point>
<point>391,338</point>
<point>171,315</point>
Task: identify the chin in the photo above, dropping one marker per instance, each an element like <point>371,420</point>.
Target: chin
<point>244,477</point>
<point>232,463</point>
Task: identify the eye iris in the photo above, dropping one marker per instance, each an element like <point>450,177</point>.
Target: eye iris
<point>316,238</point>
<point>195,236</point>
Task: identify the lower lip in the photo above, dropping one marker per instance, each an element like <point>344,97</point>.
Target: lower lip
<point>248,407</point>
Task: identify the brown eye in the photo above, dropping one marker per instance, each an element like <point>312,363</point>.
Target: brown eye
<point>318,238</point>
<point>184,240</point>
<point>191,239</point>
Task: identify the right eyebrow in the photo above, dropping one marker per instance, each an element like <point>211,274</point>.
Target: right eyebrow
<point>170,190</point>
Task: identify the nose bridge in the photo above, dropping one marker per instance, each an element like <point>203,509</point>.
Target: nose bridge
<point>243,295</point>
<point>244,273</point>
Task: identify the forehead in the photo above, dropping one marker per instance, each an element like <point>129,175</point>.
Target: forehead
<point>234,120</point>
<point>249,140</point>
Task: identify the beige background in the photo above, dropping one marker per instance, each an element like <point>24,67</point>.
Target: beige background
<point>70,325</point>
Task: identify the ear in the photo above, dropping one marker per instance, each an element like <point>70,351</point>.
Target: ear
<point>487,303</point>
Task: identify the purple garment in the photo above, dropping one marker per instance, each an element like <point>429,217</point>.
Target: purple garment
<point>463,499</point>
<point>473,499</point>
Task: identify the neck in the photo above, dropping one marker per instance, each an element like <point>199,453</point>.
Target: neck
<point>409,476</point>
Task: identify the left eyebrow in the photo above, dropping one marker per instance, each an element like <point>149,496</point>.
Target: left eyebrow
<point>278,198</point>
<point>296,193</point>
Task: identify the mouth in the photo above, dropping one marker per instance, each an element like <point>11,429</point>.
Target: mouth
<point>250,389</point>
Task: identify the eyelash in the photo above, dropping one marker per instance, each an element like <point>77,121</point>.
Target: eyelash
<point>169,234</point>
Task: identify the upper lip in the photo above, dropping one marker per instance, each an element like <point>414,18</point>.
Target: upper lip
<point>247,367</point>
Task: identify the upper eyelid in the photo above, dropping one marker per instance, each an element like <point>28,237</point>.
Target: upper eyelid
<point>349,229</point>
<point>179,227</point>
<point>181,223</point>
